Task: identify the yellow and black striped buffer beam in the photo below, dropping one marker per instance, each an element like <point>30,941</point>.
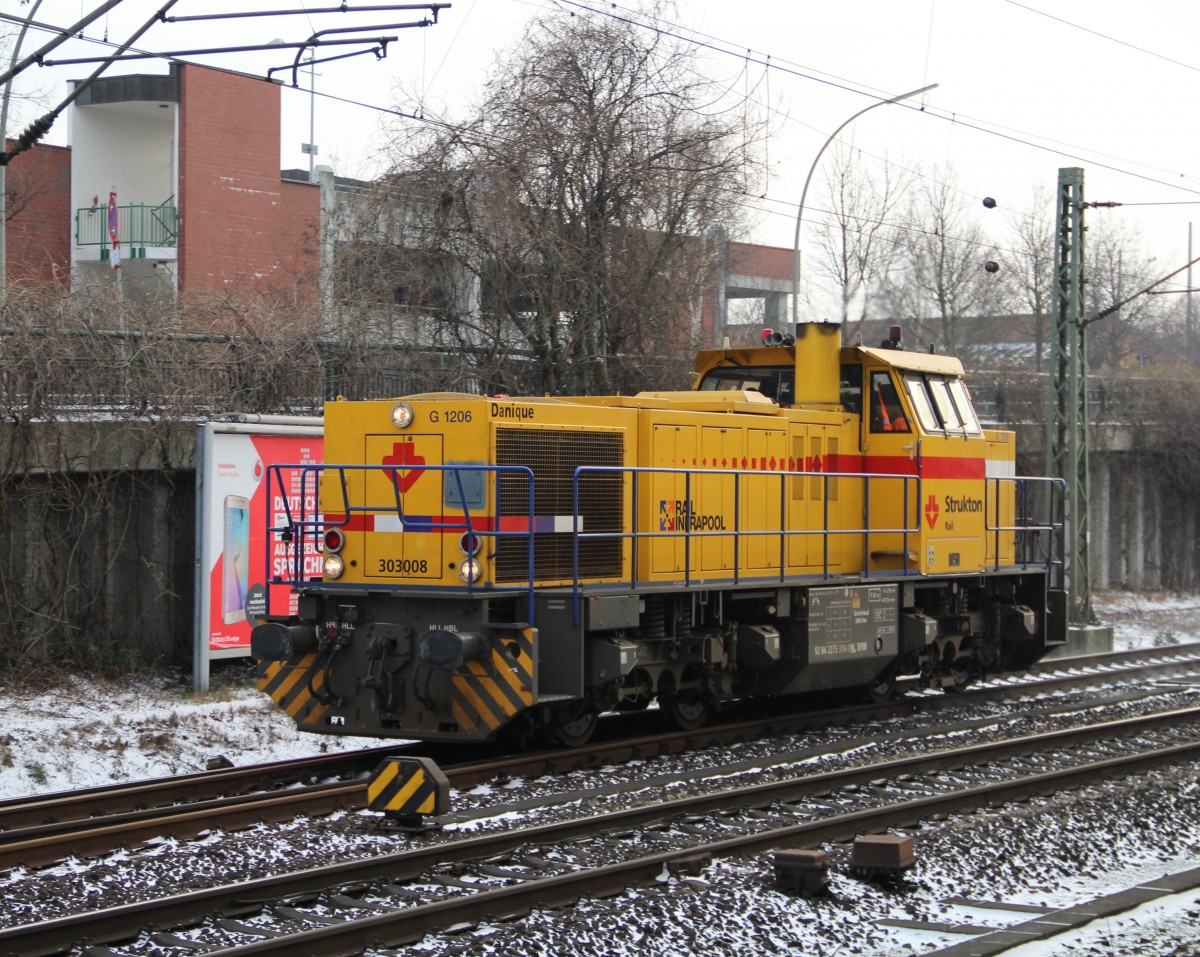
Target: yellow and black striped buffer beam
<point>296,686</point>
<point>408,787</point>
<point>489,693</point>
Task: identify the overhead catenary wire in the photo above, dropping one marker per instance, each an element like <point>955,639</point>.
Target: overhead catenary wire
<point>768,63</point>
<point>1019,137</point>
<point>1104,36</point>
<point>775,63</point>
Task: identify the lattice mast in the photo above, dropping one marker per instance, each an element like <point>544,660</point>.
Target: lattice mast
<point>1067,420</point>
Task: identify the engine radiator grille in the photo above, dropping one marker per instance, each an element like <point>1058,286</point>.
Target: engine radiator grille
<point>553,457</point>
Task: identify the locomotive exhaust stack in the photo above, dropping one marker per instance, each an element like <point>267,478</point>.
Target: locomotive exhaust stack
<point>818,345</point>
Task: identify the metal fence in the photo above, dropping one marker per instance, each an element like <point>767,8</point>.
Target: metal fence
<point>138,226</point>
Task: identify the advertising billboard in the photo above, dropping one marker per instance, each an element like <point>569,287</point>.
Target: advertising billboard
<point>236,563</point>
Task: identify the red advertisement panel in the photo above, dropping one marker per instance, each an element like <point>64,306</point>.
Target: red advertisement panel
<point>239,565</point>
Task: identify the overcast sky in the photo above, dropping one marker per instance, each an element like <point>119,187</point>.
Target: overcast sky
<point>1024,88</point>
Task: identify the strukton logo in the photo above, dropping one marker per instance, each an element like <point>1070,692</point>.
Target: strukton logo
<point>932,511</point>
<point>403,454</point>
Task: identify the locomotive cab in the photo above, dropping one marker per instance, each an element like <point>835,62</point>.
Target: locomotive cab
<point>914,436</point>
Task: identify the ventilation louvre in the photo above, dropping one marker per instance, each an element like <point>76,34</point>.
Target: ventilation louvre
<point>553,457</point>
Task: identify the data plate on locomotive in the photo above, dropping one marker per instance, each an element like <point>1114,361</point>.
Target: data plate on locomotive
<point>854,621</point>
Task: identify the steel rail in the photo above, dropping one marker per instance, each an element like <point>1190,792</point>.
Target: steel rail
<point>70,828</point>
<point>120,923</point>
<point>64,806</point>
<point>411,924</point>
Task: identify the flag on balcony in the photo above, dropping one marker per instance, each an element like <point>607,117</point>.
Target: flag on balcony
<point>115,255</point>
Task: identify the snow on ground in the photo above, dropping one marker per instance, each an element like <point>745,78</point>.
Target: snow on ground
<point>1148,619</point>
<point>89,732</point>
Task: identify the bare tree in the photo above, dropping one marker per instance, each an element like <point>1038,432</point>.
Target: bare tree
<point>861,245</point>
<point>99,401</point>
<point>941,286</point>
<point>559,233</point>
<point>1117,267</point>
<point>1028,273</point>
<point>1178,337</point>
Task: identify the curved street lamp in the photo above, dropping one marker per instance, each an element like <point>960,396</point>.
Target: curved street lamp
<point>808,180</point>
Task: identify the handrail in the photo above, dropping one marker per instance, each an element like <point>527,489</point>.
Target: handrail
<point>138,225</point>
<point>737,532</point>
<point>302,524</point>
<point>1032,537</point>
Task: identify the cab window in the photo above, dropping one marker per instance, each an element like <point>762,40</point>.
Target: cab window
<point>851,389</point>
<point>922,403</point>
<point>942,404</point>
<point>964,406</point>
<point>887,414</point>
<point>774,383</point>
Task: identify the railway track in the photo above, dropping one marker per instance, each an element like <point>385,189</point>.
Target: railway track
<point>38,831</point>
<point>446,881</point>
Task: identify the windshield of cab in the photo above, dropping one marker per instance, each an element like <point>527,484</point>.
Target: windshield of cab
<point>941,403</point>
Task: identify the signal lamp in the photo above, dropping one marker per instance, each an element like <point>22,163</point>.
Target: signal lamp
<point>469,543</point>
<point>334,539</point>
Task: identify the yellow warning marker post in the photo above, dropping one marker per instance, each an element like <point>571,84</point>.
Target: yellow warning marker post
<point>409,790</point>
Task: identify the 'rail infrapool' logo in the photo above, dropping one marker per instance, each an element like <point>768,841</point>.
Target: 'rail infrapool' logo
<point>678,515</point>
<point>666,515</point>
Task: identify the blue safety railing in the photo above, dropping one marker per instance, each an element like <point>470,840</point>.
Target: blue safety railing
<point>738,532</point>
<point>304,524</point>
<point>1038,525</point>
<point>1036,505</point>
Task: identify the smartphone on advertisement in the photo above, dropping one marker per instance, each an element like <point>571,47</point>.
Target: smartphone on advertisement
<point>235,580</point>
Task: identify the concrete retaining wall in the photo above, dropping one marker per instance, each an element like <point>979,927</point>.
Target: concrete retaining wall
<point>97,541</point>
<point>98,551</point>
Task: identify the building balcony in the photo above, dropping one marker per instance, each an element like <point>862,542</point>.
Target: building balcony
<point>146,233</point>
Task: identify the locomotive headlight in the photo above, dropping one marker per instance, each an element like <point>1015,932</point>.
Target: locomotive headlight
<point>333,566</point>
<point>402,415</point>
<point>469,570</point>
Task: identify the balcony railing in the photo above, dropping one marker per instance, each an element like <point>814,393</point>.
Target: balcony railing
<point>138,226</point>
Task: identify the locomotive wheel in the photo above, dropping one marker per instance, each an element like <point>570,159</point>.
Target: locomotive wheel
<point>574,727</point>
<point>881,690</point>
<point>964,674</point>
<point>687,710</point>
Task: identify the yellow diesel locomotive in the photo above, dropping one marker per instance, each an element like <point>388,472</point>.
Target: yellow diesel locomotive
<point>808,517</point>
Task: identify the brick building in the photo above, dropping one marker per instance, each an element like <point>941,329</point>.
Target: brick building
<point>193,158</point>
<point>38,239</point>
<point>749,272</point>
